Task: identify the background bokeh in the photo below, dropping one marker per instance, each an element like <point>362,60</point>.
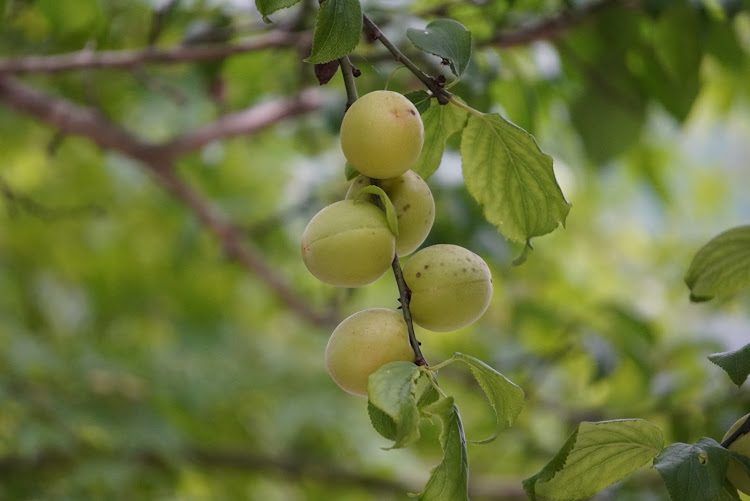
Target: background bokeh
<point>138,362</point>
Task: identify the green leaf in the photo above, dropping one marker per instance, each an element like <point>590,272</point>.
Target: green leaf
<point>505,397</point>
<point>390,210</point>
<point>722,266</point>
<point>594,457</point>
<point>337,30</point>
<point>693,472</point>
<point>727,493</point>
<point>677,40</point>
<point>447,39</point>
<point>440,123</point>
<point>267,7</point>
<point>507,173</point>
<point>736,363</point>
<point>606,138</point>
<point>449,480</point>
<point>350,172</point>
<point>429,396</point>
<point>392,402</point>
<point>420,99</point>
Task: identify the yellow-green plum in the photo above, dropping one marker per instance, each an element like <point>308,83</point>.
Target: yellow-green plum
<point>382,134</point>
<point>415,207</point>
<point>348,244</point>
<point>451,287</point>
<point>362,343</point>
<point>736,473</point>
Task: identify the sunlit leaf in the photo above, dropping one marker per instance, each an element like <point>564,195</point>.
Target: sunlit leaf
<point>440,123</point>
<point>594,457</point>
<point>449,480</point>
<point>392,402</point>
<point>508,174</point>
<point>505,397</point>
<point>722,266</point>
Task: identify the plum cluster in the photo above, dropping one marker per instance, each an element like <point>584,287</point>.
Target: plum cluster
<point>350,244</point>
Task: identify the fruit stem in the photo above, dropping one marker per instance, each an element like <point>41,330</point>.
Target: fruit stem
<point>437,89</point>
<point>403,289</point>
<point>744,428</point>
<point>405,297</point>
<point>347,70</point>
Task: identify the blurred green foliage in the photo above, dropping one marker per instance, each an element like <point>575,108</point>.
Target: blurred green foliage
<point>137,362</point>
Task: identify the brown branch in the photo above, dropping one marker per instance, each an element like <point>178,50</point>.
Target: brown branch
<point>248,121</point>
<point>297,467</point>
<point>133,58</point>
<point>551,27</point>
<point>74,119</point>
<point>159,160</point>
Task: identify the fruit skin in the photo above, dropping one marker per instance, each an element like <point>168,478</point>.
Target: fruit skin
<point>451,287</point>
<point>382,134</point>
<point>736,473</point>
<point>362,343</point>
<point>348,244</point>
<point>415,207</point>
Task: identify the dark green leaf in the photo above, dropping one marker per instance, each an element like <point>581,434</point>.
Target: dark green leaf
<point>420,99</point>
<point>594,457</point>
<point>392,402</point>
<point>504,395</point>
<point>449,480</point>
<point>722,266</point>
<point>440,123</point>
<point>608,120</point>
<point>736,363</point>
<point>447,39</point>
<point>429,396</point>
<point>337,30</point>
<point>350,172</point>
<point>727,493</point>
<point>693,472</point>
<point>267,7</point>
<point>507,173</point>
<point>677,40</point>
<point>390,210</point>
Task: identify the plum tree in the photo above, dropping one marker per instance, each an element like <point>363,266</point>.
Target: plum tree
<point>348,244</point>
<point>362,343</point>
<point>415,207</point>
<point>451,287</point>
<point>735,472</point>
<point>382,134</point>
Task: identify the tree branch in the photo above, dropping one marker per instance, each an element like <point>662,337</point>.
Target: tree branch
<point>742,430</point>
<point>159,160</point>
<point>133,58</point>
<point>551,27</point>
<point>247,121</point>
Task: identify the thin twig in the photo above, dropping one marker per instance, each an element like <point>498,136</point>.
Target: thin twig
<point>247,121</point>
<point>404,299</point>
<point>431,83</point>
<point>742,430</point>
<point>347,71</point>
<point>134,58</point>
